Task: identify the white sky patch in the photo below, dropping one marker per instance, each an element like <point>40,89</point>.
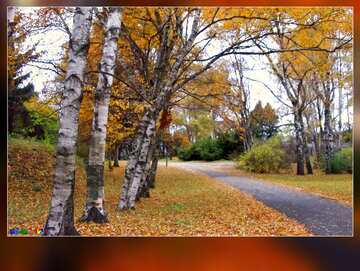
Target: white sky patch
<point>49,42</point>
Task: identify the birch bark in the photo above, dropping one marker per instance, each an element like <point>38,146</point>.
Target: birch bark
<point>143,191</point>
<point>94,208</point>
<point>60,220</point>
<point>141,164</point>
<point>134,158</point>
<point>328,139</point>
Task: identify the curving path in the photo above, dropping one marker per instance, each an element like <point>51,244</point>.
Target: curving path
<point>323,217</point>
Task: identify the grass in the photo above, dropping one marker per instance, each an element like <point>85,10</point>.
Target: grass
<point>333,186</point>
<point>182,204</point>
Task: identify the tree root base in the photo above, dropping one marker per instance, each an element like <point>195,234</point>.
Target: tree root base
<point>95,216</point>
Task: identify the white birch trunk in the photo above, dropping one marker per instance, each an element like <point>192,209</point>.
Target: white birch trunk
<point>150,178</point>
<point>328,138</point>
<point>141,164</point>
<point>10,17</point>
<point>133,159</point>
<point>94,209</point>
<point>61,215</point>
<point>143,191</point>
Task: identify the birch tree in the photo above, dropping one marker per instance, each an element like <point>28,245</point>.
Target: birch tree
<point>60,220</point>
<point>136,166</point>
<point>94,208</point>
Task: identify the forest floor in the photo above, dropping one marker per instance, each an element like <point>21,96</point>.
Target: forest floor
<point>319,214</point>
<point>182,204</point>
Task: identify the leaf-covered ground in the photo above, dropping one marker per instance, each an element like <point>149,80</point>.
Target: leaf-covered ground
<point>182,204</point>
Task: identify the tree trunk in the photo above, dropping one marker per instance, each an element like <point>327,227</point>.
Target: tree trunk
<point>305,148</point>
<point>137,156</point>
<point>110,161</point>
<point>327,138</point>
<point>94,208</point>
<point>314,140</point>
<point>299,144</point>
<point>61,215</point>
<point>340,103</point>
<point>143,191</point>
<point>116,156</point>
<point>348,104</point>
<point>141,164</point>
<point>154,163</point>
<point>307,158</point>
<point>319,113</point>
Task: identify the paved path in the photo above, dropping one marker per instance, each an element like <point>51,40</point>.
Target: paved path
<point>323,217</point>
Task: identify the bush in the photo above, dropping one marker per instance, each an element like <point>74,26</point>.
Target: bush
<point>267,157</point>
<point>184,154</point>
<point>189,153</point>
<point>347,136</point>
<point>231,144</point>
<point>44,123</point>
<point>210,150</point>
<point>342,161</point>
<point>206,149</point>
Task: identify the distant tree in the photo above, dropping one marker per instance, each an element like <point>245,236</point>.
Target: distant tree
<point>19,90</point>
<point>263,121</point>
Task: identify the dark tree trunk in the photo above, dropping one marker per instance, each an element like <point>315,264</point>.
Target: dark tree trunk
<point>110,162</point>
<point>317,149</point>
<point>116,156</point>
<point>306,148</point>
<point>308,161</point>
<point>300,170</point>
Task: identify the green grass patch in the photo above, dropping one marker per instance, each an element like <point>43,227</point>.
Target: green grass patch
<point>335,186</point>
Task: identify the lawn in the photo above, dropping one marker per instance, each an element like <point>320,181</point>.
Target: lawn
<point>333,186</point>
<point>182,204</point>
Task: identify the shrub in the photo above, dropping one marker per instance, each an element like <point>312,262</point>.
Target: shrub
<point>347,136</point>
<point>231,144</point>
<point>189,153</point>
<point>44,123</point>
<point>267,157</point>
<point>184,154</point>
<point>206,149</point>
<point>209,150</point>
<point>342,161</point>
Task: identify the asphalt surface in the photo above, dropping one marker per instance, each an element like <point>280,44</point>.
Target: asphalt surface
<point>323,217</point>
